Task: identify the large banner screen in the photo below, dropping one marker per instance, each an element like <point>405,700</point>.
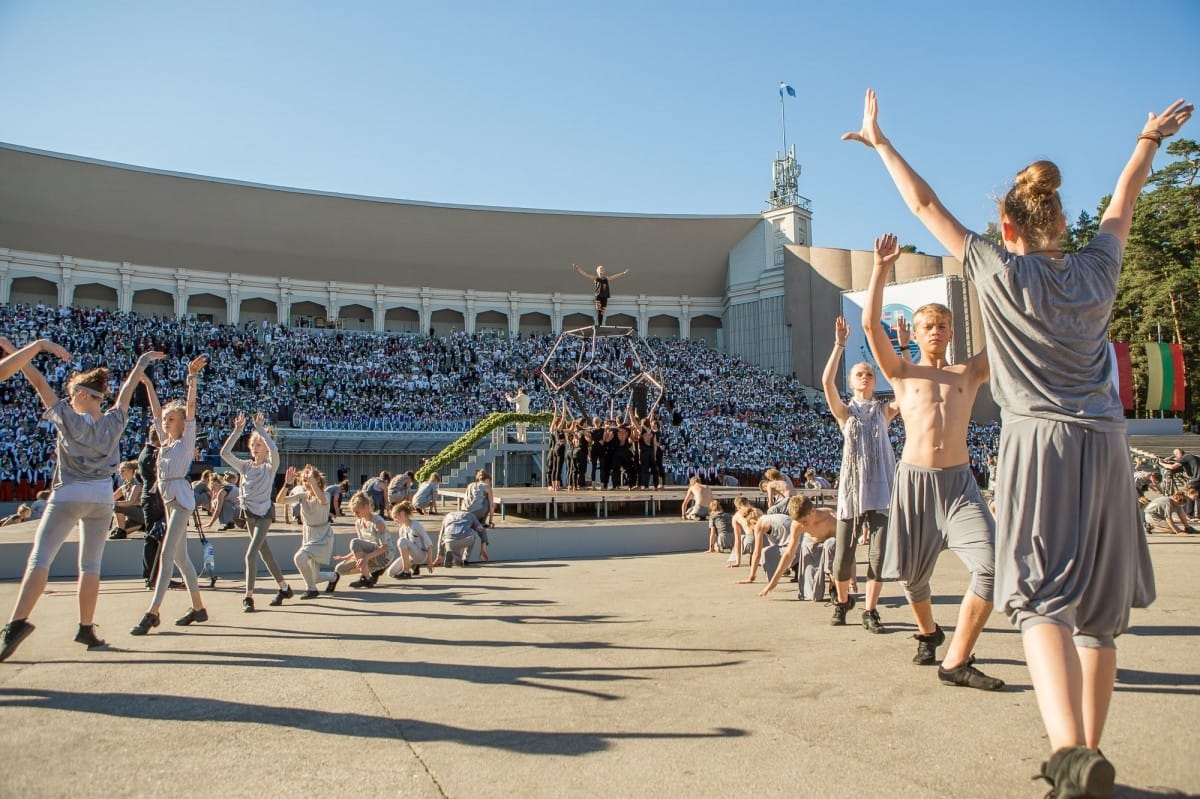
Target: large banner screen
<point>900,299</point>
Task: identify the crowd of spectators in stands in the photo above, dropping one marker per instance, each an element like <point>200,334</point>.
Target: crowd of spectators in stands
<point>722,416</point>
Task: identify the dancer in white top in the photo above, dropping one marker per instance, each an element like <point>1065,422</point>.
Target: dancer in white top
<point>176,425</point>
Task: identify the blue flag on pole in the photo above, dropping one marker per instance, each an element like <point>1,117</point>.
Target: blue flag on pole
<point>783,87</point>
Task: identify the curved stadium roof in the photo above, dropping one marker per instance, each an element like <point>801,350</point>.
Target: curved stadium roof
<point>64,204</point>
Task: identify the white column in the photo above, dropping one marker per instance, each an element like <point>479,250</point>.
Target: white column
<point>556,317</point>
<point>5,279</point>
<point>514,314</point>
<point>426,314</point>
<point>469,312</point>
<point>285,301</point>
<point>125,296</point>
<point>643,316</point>
<point>233,303</point>
<point>181,293</point>
<point>380,296</point>
<point>66,282</point>
<point>685,318</point>
<point>331,307</point>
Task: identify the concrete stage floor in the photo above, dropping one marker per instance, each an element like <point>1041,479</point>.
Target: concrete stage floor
<point>631,676</point>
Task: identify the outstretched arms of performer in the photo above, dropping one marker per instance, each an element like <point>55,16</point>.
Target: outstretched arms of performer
<point>841,334</point>
<point>887,252</point>
<point>135,376</point>
<point>193,379</point>
<point>36,378</point>
<point>919,196</point>
<point>1119,215</point>
<point>16,359</point>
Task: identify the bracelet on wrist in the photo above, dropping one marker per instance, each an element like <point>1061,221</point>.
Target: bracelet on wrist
<point>839,346</point>
<point>1153,136</point>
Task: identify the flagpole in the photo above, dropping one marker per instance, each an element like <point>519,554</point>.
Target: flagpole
<point>1160,409</point>
<point>783,117</point>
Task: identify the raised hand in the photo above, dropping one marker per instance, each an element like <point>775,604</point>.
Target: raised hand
<point>290,475</point>
<point>887,251</point>
<point>240,421</point>
<point>870,134</point>
<point>841,331</point>
<point>903,332</point>
<point>195,365</point>
<point>1169,121</point>
<point>259,419</point>
<point>57,350</point>
<point>149,356</point>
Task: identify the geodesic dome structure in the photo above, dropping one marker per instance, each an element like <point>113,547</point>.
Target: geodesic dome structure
<point>603,370</point>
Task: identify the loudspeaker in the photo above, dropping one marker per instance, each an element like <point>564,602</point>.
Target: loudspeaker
<point>639,400</point>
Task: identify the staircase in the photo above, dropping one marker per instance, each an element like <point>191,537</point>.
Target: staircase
<point>499,445</point>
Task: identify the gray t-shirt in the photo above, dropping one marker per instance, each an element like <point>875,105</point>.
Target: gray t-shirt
<point>781,528</point>
<point>257,478</point>
<point>1158,510</point>
<point>88,449</point>
<point>1046,322</point>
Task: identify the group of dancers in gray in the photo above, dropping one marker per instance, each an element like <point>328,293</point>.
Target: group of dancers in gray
<point>1065,559</point>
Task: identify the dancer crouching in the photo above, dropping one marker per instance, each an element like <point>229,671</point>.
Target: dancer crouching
<point>317,546</point>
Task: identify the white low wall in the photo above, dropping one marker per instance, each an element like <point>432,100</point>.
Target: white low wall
<point>565,540</point>
<point>1155,427</point>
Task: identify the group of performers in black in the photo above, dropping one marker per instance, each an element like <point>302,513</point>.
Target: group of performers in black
<point>624,453</point>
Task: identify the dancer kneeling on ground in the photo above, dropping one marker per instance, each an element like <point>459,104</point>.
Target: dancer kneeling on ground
<point>479,500</point>
<point>696,502</point>
<point>811,532</point>
<point>720,528</point>
<point>1165,515</point>
<point>868,468</point>
<point>416,548</point>
<point>371,550</point>
<point>258,475</point>
<point>426,498</point>
<point>775,486</point>
<point>776,536</point>
<point>745,517</point>
<point>316,548</point>
<point>459,531</point>
<point>176,425</point>
<point>87,454</point>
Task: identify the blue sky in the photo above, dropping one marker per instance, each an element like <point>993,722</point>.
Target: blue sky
<point>619,106</point>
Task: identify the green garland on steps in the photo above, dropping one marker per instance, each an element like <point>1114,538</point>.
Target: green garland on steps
<point>467,441</point>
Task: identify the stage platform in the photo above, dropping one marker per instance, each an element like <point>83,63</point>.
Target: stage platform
<point>608,502</point>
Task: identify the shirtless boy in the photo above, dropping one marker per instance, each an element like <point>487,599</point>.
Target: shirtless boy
<point>936,504</point>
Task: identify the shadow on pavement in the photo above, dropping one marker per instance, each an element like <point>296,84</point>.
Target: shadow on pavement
<point>182,708</point>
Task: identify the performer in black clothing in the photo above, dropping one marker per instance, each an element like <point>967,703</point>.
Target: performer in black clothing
<point>579,459</point>
<point>596,450</point>
<point>152,506</point>
<point>621,460</point>
<point>556,453</point>
<point>605,450</point>
<point>601,285</point>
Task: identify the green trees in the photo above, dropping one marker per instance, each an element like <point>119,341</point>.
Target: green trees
<point>1159,289</point>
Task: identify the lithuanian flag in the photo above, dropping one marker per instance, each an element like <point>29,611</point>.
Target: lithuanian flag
<point>1165,366</point>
